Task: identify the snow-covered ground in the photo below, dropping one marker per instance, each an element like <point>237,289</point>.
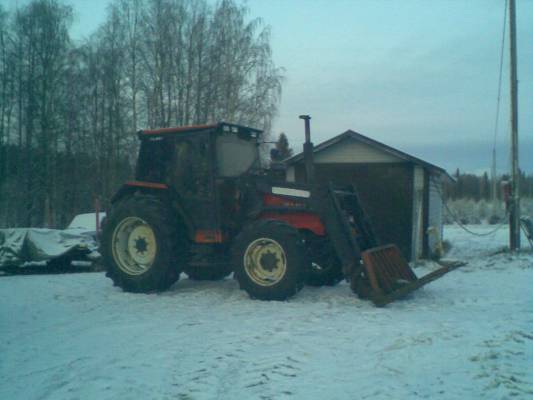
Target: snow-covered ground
<point>468,335</point>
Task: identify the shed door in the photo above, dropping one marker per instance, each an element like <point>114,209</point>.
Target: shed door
<point>385,192</point>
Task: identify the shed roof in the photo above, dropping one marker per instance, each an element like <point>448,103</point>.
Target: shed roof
<point>349,134</point>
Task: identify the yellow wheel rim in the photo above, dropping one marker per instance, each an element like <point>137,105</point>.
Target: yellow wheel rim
<point>134,246</point>
<point>265,261</point>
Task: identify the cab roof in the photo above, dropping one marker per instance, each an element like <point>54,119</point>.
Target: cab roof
<point>194,128</point>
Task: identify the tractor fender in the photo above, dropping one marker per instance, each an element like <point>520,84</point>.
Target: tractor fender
<point>297,219</point>
<point>160,190</point>
<point>137,186</point>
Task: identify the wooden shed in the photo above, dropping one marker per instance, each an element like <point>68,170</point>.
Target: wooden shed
<point>400,193</point>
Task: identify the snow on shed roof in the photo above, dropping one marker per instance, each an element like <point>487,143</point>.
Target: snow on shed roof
<point>349,134</point>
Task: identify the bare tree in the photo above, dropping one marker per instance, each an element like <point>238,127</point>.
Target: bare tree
<point>69,112</point>
<point>41,42</point>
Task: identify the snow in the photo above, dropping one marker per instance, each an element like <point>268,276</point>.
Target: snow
<point>468,335</point>
<point>86,222</point>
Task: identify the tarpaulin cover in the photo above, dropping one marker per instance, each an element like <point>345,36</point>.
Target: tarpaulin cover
<point>22,245</point>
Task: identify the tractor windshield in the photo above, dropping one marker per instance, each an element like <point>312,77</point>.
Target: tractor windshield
<point>236,154</point>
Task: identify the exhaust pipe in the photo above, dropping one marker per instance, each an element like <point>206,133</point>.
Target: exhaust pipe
<point>308,151</point>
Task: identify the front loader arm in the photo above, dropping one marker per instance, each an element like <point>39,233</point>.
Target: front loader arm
<point>378,272</point>
<point>339,230</point>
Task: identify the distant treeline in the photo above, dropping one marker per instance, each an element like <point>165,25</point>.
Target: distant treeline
<point>69,110</point>
<point>480,187</point>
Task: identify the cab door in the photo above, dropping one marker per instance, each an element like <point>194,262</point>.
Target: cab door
<point>192,176</point>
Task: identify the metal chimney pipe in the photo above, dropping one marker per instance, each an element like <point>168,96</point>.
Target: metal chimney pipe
<point>308,151</point>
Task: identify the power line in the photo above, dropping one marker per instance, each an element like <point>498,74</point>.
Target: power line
<point>497,119</point>
<point>456,219</point>
<point>462,226</point>
<point>500,76</point>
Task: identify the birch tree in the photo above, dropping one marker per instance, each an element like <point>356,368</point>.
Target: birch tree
<point>69,111</point>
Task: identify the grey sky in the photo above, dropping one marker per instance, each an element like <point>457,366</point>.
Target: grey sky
<point>417,75</point>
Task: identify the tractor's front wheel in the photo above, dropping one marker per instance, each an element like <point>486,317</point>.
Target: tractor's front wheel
<point>141,245</point>
<point>269,260</point>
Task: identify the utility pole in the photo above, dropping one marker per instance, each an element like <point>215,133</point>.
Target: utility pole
<point>514,215</point>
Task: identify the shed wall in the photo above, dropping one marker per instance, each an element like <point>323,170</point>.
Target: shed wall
<point>418,213</point>
<point>350,151</point>
<point>435,212</point>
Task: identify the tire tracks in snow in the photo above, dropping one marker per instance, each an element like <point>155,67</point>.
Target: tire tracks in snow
<point>505,365</point>
<point>241,371</point>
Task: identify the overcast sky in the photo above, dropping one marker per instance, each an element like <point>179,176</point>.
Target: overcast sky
<point>421,76</point>
<point>418,75</point>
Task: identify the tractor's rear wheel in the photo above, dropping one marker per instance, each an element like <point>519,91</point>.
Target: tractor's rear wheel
<point>269,260</point>
<point>143,248</point>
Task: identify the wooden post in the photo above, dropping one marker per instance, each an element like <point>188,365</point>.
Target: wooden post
<point>97,212</point>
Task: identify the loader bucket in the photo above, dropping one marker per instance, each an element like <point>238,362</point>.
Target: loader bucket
<point>391,277</point>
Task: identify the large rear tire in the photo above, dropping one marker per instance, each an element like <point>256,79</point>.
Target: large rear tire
<point>143,246</point>
<point>269,260</point>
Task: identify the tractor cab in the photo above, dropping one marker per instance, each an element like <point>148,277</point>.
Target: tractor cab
<point>188,156</point>
<point>201,165</point>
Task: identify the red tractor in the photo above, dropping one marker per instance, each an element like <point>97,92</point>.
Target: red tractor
<point>201,204</point>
